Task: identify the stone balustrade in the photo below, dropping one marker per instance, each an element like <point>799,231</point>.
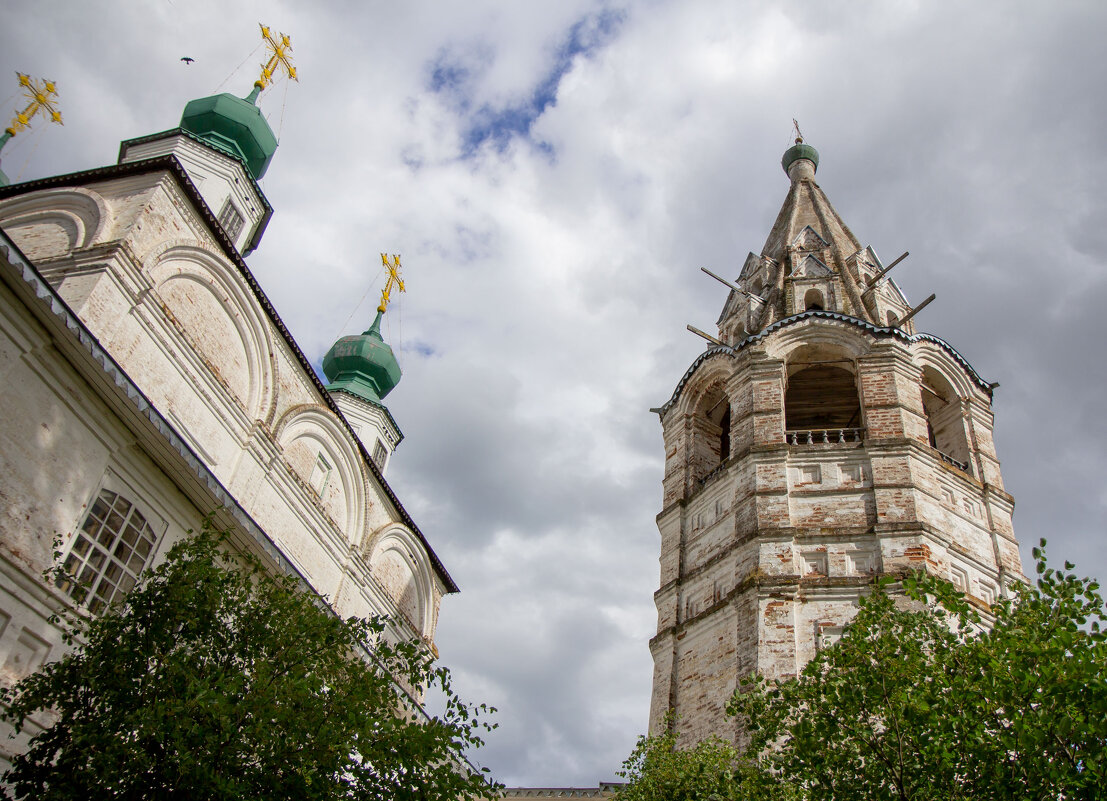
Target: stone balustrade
<point>825,436</point>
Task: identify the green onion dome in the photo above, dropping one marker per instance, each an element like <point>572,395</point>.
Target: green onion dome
<point>363,365</point>
<point>233,125</point>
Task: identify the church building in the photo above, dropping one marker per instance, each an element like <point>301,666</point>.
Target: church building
<point>818,443</point>
<point>146,380</point>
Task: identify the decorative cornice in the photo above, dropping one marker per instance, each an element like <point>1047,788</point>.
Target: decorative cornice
<point>787,322</point>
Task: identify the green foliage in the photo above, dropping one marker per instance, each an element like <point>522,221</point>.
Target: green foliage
<point>712,769</point>
<point>924,698</point>
<point>217,680</point>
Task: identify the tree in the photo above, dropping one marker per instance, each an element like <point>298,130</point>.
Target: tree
<point>712,769</point>
<point>925,698</point>
<point>218,680</point>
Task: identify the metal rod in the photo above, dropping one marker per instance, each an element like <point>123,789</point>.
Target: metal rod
<point>884,272</point>
<point>916,310</point>
<point>735,287</point>
<point>708,337</point>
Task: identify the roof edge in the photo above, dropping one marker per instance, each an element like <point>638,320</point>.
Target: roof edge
<point>881,331</point>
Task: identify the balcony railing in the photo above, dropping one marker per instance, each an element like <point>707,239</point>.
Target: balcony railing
<point>962,466</point>
<point>825,436</point>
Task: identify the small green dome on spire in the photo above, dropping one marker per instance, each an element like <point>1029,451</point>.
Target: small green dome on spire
<point>363,365</point>
<point>799,151</point>
<point>235,126</point>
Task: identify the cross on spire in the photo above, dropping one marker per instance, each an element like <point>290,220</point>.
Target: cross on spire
<point>41,96</point>
<point>799,136</point>
<point>278,57</point>
<point>394,279</point>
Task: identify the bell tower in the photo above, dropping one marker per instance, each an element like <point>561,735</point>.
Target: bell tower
<point>818,443</point>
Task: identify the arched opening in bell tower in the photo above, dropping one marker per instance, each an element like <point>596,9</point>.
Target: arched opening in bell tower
<point>821,394</point>
<point>945,423</point>
<point>711,437</point>
<point>813,301</point>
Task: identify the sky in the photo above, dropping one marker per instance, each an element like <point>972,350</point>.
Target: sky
<point>553,176</point>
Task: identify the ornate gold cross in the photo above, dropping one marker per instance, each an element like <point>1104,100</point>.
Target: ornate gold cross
<point>42,96</point>
<point>279,57</point>
<point>394,279</point>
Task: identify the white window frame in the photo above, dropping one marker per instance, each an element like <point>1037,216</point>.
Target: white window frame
<point>117,538</point>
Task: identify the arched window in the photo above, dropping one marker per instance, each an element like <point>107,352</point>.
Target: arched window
<point>893,319</point>
<point>109,551</point>
<point>813,300</point>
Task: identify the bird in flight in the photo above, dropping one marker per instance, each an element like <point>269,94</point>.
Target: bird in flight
<point>187,60</point>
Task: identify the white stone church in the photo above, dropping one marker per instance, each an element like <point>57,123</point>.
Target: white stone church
<point>146,380</point>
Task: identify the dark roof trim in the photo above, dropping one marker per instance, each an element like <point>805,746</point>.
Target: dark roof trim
<point>265,218</point>
<point>882,331</point>
<point>170,163</point>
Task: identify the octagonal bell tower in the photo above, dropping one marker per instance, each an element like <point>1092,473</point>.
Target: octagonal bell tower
<point>817,444</point>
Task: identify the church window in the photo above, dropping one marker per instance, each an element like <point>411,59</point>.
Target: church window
<point>893,320</point>
<point>320,474</point>
<point>380,455</point>
<point>813,301</point>
<point>109,552</point>
<point>231,219</point>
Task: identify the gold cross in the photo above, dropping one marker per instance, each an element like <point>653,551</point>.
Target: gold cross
<point>279,57</point>
<point>394,279</point>
<point>42,96</point>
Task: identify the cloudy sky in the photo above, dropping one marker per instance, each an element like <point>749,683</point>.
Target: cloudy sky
<point>554,176</point>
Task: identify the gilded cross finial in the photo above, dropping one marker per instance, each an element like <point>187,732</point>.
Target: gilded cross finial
<point>278,57</point>
<point>799,136</point>
<point>394,279</point>
<point>41,96</point>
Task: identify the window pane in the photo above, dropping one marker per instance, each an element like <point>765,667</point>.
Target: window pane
<point>97,558</point>
<point>122,552</point>
<point>107,534</point>
<point>131,534</point>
